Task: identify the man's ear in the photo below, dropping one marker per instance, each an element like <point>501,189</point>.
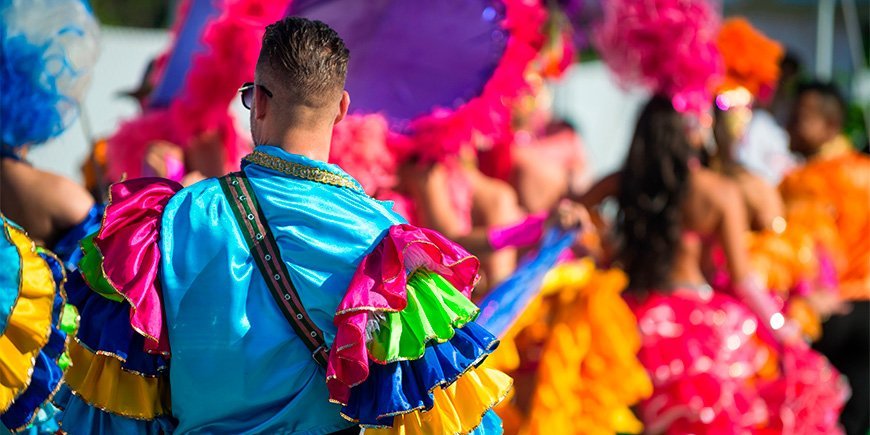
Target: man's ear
<point>261,103</point>
<point>343,105</point>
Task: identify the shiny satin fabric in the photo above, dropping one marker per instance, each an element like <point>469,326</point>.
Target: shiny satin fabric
<point>379,286</point>
<point>434,310</point>
<point>459,407</point>
<point>398,388</point>
<point>30,343</point>
<point>105,329</point>
<point>237,365</point>
<point>102,422</point>
<point>128,242</point>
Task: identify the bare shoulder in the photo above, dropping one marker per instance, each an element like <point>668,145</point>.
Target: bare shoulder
<point>716,190</point>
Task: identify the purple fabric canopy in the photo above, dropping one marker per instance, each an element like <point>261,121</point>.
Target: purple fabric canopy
<point>410,57</point>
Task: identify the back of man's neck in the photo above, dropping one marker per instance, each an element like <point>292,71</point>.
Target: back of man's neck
<point>312,144</point>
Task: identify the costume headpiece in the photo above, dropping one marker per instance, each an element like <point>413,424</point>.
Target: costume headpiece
<point>667,46</point>
<point>751,59</point>
<point>48,51</point>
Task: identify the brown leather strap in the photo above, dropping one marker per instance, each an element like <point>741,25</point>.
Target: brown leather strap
<point>264,249</point>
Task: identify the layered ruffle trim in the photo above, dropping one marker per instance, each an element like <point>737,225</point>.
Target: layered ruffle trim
<point>589,375</point>
<point>434,310</point>
<point>101,383</point>
<point>404,386</point>
<point>379,288</point>
<point>129,239</point>
<point>105,330</point>
<point>91,269</point>
<point>79,417</point>
<point>31,342</point>
<point>407,353</point>
<point>461,408</point>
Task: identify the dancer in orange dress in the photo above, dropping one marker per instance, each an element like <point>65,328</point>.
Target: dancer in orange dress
<point>834,185</point>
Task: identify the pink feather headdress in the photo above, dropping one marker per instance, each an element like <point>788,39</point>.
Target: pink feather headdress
<point>668,46</point>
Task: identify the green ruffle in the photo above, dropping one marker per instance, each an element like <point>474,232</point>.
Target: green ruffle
<point>91,266</point>
<point>435,309</point>
<point>69,319</point>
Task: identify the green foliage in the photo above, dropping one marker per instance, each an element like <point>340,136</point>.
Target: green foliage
<point>134,13</point>
<point>856,128</point>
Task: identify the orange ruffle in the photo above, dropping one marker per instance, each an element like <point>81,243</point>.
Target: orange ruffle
<point>589,375</point>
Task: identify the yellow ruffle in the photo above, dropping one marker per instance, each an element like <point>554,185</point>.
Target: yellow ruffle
<point>458,409</point>
<point>588,376</point>
<point>29,323</point>
<point>534,319</point>
<point>100,381</point>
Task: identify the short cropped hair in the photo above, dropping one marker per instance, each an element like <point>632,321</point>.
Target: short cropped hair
<point>306,58</point>
<point>834,103</point>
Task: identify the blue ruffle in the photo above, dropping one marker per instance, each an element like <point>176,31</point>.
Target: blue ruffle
<point>43,383</point>
<point>67,248</point>
<point>490,425</point>
<point>105,327</point>
<point>402,386</point>
<point>77,417</point>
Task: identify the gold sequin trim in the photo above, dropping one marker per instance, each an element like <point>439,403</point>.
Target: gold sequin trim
<point>301,171</point>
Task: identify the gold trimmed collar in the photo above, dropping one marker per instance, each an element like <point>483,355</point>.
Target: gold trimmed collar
<point>304,172</point>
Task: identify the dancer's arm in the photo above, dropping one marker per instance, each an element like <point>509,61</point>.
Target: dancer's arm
<point>604,188</point>
<point>732,229</point>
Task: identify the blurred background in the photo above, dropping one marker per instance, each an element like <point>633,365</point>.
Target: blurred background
<point>827,38</point>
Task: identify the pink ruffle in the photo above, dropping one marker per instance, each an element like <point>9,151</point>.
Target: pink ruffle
<point>378,286</point>
<point>709,359</point>
<point>128,244</point>
<point>232,44</point>
<point>668,46</point>
<point>444,132</point>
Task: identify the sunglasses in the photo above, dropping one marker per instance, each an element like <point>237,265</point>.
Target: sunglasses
<point>247,93</point>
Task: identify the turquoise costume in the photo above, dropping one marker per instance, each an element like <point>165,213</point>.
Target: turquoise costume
<point>169,295</point>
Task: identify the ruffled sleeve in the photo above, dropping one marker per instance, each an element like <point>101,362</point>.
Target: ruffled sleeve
<point>406,356</point>
<point>120,356</point>
<point>31,301</point>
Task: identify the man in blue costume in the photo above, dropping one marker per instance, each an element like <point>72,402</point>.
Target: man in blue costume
<point>182,287</point>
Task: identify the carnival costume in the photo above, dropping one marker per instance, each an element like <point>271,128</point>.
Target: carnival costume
<point>714,358</point>
<point>214,48</point>
<point>579,342</point>
<point>174,297</point>
<point>785,255</point>
<point>48,49</point>
<point>31,341</point>
<point>833,186</point>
